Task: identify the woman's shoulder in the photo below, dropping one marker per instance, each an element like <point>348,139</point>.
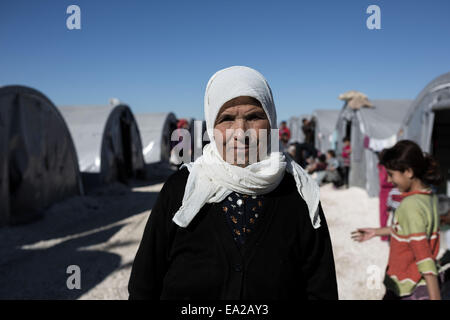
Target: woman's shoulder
<point>175,184</point>
<point>179,177</point>
<point>287,189</point>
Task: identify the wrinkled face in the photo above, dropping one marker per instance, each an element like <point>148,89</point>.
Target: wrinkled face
<point>402,180</point>
<point>239,128</point>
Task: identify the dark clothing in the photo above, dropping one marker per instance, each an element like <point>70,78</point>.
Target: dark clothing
<point>242,212</point>
<point>346,175</point>
<point>285,258</point>
<point>420,293</point>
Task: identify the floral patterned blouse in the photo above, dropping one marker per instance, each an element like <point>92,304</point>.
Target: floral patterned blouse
<point>242,213</point>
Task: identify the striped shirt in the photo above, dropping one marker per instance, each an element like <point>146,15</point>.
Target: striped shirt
<point>414,243</point>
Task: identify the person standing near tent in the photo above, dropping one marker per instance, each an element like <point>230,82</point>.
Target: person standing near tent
<point>412,271</point>
<point>308,131</point>
<point>284,130</point>
<point>285,136</point>
<point>226,229</point>
<point>346,152</point>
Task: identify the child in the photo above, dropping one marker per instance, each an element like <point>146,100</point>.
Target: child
<point>412,271</point>
<point>346,151</point>
<point>332,173</point>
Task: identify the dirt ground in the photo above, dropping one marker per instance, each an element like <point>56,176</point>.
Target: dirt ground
<point>100,232</point>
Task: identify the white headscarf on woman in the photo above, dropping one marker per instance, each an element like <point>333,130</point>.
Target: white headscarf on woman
<point>212,179</point>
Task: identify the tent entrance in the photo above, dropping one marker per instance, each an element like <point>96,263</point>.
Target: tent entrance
<point>348,130</point>
<point>440,146</point>
<point>126,169</point>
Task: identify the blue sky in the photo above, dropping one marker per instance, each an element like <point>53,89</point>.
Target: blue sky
<point>158,55</point>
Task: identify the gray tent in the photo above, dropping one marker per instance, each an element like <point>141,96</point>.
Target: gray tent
<point>156,130</point>
<point>325,129</point>
<point>370,130</point>
<point>38,161</point>
<point>295,126</point>
<point>107,140</point>
<point>428,124</point>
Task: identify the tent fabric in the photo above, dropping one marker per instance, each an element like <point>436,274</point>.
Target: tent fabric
<point>325,126</point>
<point>107,141</point>
<point>428,124</point>
<point>156,130</point>
<point>38,160</point>
<point>418,124</point>
<point>380,123</point>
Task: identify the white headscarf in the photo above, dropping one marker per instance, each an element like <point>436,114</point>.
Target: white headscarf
<point>212,179</point>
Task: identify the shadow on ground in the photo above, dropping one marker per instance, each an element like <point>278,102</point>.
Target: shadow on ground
<point>35,257</point>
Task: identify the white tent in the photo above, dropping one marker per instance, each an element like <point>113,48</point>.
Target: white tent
<point>156,130</point>
<point>324,129</point>
<point>370,130</point>
<point>38,161</point>
<point>428,124</point>
<point>107,141</point>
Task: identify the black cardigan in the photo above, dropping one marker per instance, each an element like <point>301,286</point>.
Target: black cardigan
<point>285,258</point>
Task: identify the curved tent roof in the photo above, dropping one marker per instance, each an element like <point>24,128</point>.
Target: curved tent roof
<point>418,123</point>
<point>107,140</point>
<point>428,124</point>
<point>156,130</point>
<point>325,126</point>
<point>38,161</point>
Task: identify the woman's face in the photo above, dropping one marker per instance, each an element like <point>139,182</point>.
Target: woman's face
<point>237,130</point>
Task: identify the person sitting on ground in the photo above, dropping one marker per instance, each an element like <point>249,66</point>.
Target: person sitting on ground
<point>317,165</point>
<point>330,174</point>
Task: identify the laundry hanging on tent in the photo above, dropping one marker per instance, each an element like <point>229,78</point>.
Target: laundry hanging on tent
<point>378,145</point>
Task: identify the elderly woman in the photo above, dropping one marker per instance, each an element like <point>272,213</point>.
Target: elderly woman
<point>228,229</point>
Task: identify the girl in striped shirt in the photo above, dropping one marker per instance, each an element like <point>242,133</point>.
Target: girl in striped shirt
<point>412,271</point>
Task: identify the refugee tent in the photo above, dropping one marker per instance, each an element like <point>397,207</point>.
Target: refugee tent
<point>371,127</point>
<point>295,126</point>
<point>107,141</point>
<point>156,131</point>
<point>38,161</point>
<point>428,124</point>
<point>325,127</point>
